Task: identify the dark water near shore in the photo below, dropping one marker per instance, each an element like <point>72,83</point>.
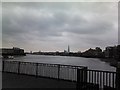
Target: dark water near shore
<point>91,63</point>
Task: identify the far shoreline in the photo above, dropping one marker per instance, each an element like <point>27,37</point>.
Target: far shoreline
<point>110,61</point>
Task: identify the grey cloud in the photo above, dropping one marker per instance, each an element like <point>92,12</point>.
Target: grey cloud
<point>42,23</point>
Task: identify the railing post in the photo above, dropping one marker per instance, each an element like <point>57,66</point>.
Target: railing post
<point>36,69</point>
<point>81,78</point>
<point>19,67</point>
<point>3,65</point>
<point>85,76</point>
<point>118,76</point>
<point>78,79</point>
<point>58,71</point>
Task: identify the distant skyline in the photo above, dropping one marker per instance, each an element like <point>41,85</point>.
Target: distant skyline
<point>50,26</point>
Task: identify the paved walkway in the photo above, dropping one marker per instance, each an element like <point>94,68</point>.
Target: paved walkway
<point>10,80</point>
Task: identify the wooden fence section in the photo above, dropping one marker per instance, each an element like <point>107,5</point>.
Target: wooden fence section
<point>85,79</point>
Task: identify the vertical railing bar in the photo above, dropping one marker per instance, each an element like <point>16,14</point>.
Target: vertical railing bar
<point>118,76</point>
<point>43,69</point>
<point>103,79</point>
<point>3,65</point>
<point>52,71</point>
<point>52,68</point>
<point>19,67</point>
<point>36,69</point>
<point>67,73</point>
<point>106,79</point>
<point>113,80</point>
<point>95,77</point>
<point>58,71</point>
<point>109,80</point>
<point>48,70</point>
<point>100,80</point>
<point>85,76</point>
<point>92,78</point>
<point>78,79</point>
<point>39,70</point>
<point>98,77</point>
<point>89,76</point>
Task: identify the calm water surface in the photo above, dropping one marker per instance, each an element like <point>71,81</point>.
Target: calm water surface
<point>91,63</point>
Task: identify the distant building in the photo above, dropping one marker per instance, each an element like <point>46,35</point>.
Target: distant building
<point>109,52</point>
<point>30,52</point>
<point>65,51</point>
<point>118,52</point>
<point>12,51</point>
<point>68,49</point>
<point>112,52</point>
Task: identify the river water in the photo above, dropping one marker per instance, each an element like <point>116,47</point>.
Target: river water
<point>91,63</point>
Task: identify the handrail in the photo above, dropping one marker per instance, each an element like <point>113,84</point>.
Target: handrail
<point>80,74</point>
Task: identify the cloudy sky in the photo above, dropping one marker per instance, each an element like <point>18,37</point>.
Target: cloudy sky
<point>51,26</point>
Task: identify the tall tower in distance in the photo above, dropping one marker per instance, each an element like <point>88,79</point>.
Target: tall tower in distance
<point>68,49</point>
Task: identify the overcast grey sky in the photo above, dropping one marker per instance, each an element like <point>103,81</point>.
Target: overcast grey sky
<point>51,26</point>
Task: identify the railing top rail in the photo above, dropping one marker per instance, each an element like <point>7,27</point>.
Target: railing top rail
<point>101,71</point>
<point>62,65</point>
<point>76,66</point>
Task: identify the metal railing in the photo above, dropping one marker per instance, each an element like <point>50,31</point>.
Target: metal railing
<point>96,79</point>
<point>104,79</point>
<point>86,79</point>
<point>57,71</point>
